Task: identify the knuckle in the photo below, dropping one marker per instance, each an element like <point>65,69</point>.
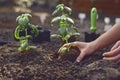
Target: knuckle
<point>118,42</point>
<point>116,58</point>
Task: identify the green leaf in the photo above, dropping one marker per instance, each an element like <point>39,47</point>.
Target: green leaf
<point>74,28</point>
<point>62,31</point>
<point>59,9</point>
<point>63,18</point>
<point>67,37</point>
<point>76,34</point>
<point>28,36</point>
<point>69,20</point>
<point>55,20</point>
<point>68,9</point>
<point>25,22</point>
<point>32,47</point>
<point>23,45</point>
<point>59,5</point>
<point>17,19</point>
<point>16,33</point>
<point>63,24</point>
<point>63,50</point>
<point>27,15</point>
<point>54,36</point>
<point>55,12</point>
<point>72,44</point>
<point>34,28</point>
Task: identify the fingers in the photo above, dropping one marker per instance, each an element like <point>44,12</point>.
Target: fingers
<point>81,46</point>
<point>80,57</point>
<point>118,61</point>
<point>114,58</point>
<point>116,45</point>
<point>112,55</point>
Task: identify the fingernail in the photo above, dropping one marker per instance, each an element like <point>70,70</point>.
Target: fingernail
<point>103,58</point>
<point>77,60</point>
<point>103,54</point>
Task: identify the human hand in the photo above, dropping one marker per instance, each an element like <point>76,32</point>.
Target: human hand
<point>114,54</point>
<point>83,47</point>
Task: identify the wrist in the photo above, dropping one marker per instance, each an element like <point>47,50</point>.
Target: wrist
<point>94,46</point>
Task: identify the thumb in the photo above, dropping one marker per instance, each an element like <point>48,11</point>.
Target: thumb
<point>80,57</point>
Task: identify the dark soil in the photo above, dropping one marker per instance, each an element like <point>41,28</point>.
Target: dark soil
<point>42,64</point>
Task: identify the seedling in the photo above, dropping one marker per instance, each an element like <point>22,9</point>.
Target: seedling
<point>66,24</point>
<point>24,26</point>
<point>67,47</point>
<point>92,36</point>
<point>62,13</point>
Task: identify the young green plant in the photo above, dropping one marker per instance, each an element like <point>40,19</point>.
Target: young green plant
<point>23,24</point>
<point>67,47</point>
<point>66,24</point>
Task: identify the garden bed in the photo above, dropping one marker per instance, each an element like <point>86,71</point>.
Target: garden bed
<point>42,64</point>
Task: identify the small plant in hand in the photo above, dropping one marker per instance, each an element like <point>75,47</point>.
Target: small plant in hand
<point>21,32</point>
<point>68,52</point>
<point>66,24</point>
<point>67,47</point>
